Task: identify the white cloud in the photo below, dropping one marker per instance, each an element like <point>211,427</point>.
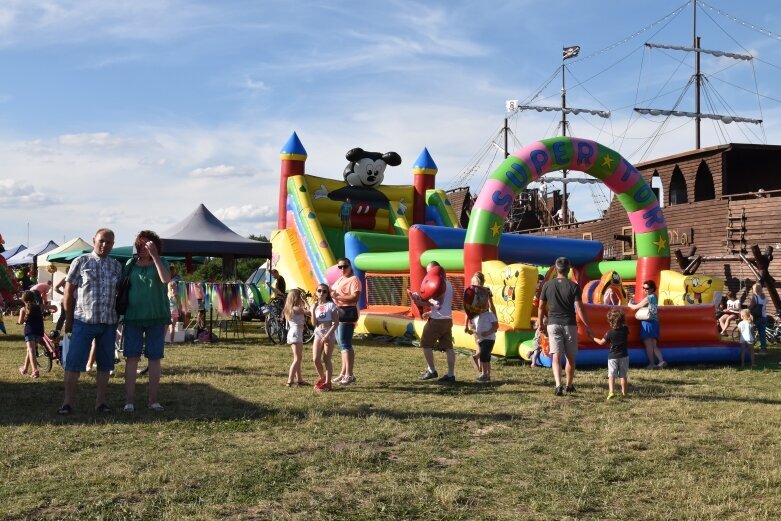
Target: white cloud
<point>94,139</point>
<point>246,212</point>
<point>255,85</point>
<point>221,171</point>
<point>21,195</point>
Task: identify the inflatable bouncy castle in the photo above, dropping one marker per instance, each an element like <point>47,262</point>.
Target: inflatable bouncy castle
<point>390,234</point>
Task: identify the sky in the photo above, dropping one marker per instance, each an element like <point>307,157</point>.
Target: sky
<point>128,114</point>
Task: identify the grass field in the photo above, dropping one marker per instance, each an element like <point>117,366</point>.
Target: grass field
<point>235,443</point>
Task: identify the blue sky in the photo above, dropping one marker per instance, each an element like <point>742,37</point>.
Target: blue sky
<point>128,114</point>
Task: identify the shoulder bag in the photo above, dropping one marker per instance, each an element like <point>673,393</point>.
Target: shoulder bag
<point>123,290</point>
<point>643,314</point>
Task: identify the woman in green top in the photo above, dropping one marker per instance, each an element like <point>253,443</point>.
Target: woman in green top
<point>147,317</point>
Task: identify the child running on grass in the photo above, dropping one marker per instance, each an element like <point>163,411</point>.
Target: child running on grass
<point>325,317</point>
<point>618,356</point>
<point>747,337</point>
<point>295,312</point>
<point>32,318</point>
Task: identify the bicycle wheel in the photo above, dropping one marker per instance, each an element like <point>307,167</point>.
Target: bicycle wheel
<point>281,331</point>
<point>43,359</point>
<point>309,332</point>
<point>271,328</point>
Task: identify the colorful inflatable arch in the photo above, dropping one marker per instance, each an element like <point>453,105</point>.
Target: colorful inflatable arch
<point>537,159</point>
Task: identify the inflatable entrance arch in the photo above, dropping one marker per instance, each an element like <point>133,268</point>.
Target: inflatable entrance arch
<point>549,155</point>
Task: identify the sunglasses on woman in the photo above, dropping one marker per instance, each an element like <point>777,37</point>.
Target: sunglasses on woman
<point>322,291</point>
<point>342,266</point>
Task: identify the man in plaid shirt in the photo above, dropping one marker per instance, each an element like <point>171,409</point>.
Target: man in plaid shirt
<point>90,314</point>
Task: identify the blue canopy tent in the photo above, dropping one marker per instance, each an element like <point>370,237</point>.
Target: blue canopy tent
<point>28,256</point>
<point>7,254</point>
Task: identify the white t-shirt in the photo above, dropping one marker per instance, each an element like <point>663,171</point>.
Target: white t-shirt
<point>445,310</point>
<point>733,305</point>
<point>324,313</point>
<point>746,334</point>
<point>483,324</point>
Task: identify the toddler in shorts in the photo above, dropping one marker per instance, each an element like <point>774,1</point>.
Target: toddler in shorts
<point>618,356</point>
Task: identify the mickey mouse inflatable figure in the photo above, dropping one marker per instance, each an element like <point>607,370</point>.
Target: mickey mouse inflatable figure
<point>363,175</point>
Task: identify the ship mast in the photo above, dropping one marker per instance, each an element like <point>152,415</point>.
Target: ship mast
<point>697,115</point>
<point>513,106</point>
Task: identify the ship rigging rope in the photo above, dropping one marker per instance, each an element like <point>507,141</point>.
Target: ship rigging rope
<point>634,35</point>
<point>737,20</point>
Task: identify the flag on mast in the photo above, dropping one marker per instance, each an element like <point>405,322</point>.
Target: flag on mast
<point>570,52</point>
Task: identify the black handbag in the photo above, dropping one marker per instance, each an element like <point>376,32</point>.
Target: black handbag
<point>123,291</point>
<point>348,314</point>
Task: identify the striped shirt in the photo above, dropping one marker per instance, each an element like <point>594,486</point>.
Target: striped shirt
<point>96,279</point>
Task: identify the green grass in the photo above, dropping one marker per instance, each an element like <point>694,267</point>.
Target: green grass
<point>235,443</point>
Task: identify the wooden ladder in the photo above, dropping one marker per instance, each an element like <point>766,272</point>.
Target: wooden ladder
<point>736,232</point>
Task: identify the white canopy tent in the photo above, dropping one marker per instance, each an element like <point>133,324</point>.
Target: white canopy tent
<point>60,269</point>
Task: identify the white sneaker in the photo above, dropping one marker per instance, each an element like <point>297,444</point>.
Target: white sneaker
<point>156,407</point>
<point>339,379</point>
<point>347,380</point>
<point>129,407</point>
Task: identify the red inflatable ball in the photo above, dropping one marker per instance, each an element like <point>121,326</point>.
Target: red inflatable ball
<point>475,300</point>
<point>433,285</point>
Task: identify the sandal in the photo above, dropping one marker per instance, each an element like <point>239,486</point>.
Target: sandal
<point>35,374</point>
<point>22,371</point>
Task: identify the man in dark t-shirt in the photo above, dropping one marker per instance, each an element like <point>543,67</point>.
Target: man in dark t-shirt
<point>560,301</point>
<point>278,286</point>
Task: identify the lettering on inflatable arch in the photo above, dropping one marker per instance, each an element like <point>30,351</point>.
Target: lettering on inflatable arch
<point>653,216</point>
<point>629,169</point>
<point>560,153</point>
<point>502,200</point>
<point>585,151</point>
<point>521,182</point>
<point>644,194</point>
<point>539,159</point>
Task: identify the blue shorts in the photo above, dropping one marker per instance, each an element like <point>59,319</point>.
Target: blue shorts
<point>32,338</point>
<point>149,340</point>
<point>344,335</point>
<point>76,352</point>
<point>649,329</point>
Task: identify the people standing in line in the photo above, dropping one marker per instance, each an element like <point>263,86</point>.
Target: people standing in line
<point>32,318</point>
<point>345,213</point>
<point>438,331</point>
<point>484,327</point>
<point>731,312</point>
<point>758,308</point>
<point>649,328</point>
<point>325,318</point>
<point>90,307</point>
<point>747,337</point>
<point>618,356</point>
<point>560,303</point>
<point>147,317</point>
<point>346,293</point>
<point>295,313</point>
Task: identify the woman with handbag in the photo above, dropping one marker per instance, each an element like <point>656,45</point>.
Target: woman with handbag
<point>147,317</point>
<point>346,291</point>
<point>647,313</point>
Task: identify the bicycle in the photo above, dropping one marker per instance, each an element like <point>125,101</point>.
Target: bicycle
<point>276,324</point>
<point>772,331</point>
<point>50,353</point>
